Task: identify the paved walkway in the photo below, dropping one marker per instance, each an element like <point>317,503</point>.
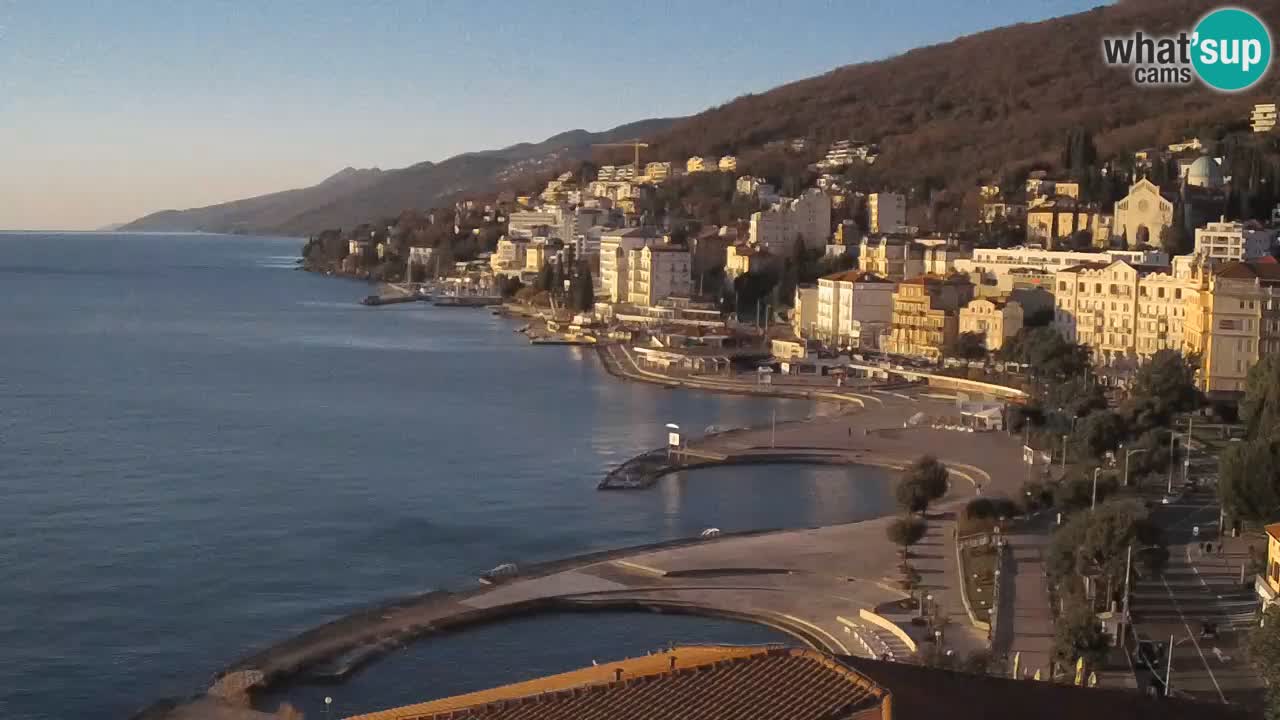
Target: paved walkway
<point>1026,626</point>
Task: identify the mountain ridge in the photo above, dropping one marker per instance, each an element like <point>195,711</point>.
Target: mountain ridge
<point>353,195</point>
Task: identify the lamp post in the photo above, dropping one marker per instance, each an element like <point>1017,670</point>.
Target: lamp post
<point>327,702</point>
<point>1064,453</point>
<point>1129,454</point>
<point>1173,443</point>
<point>1094,501</point>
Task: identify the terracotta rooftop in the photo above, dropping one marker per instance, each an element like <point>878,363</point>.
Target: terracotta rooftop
<point>767,683</point>
<point>1274,530</point>
<point>1266,270</point>
<point>708,683</point>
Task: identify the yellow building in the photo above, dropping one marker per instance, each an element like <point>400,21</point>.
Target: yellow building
<point>925,317</point>
<point>1267,585</point>
<point>1049,222</point>
<point>702,164</point>
<point>1232,321</point>
<point>728,163</point>
<point>1122,312</point>
<point>996,319</point>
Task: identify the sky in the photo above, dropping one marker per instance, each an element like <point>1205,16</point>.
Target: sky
<point>110,110</point>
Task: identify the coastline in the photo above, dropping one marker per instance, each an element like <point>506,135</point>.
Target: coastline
<point>332,651</point>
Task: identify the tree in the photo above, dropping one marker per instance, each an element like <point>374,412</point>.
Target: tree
<point>932,476</point>
<point>967,346</point>
<point>1077,635</point>
<point>1260,407</point>
<point>905,532</point>
<point>1169,381</point>
<point>546,279</point>
<point>1264,653</point>
<point>911,495</point>
<point>1247,480</point>
<point>582,292</point>
<point>1098,433</point>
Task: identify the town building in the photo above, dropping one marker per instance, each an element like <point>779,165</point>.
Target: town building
<point>995,319</point>
<point>656,272</point>
<point>741,258</point>
<point>989,192</point>
<point>926,315</point>
<point>995,263</point>
<point>728,163</point>
<point>1124,313</point>
<point>1188,145</point>
<point>616,173</point>
<point>657,172</point>
<point>940,255</point>
<point>1221,242</point>
<point>708,250</point>
<point>755,187</point>
<point>696,164</point>
<point>804,311</point>
<point>1015,213</point>
<point>1263,117</point>
<point>1232,322</point>
<point>886,212</point>
<point>1267,585</point>
<point>847,152</point>
<point>510,256</point>
<point>534,223</point>
<point>893,257</point>
<point>1051,221</point>
<point>615,251</point>
<point>854,308</point>
<point>806,218</point>
<point>1143,215</point>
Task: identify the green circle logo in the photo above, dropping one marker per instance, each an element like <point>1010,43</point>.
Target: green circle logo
<point>1231,49</point>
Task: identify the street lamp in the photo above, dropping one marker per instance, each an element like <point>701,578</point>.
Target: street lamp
<point>1064,452</point>
<point>1128,454</point>
<point>1094,502</point>
<point>327,702</point>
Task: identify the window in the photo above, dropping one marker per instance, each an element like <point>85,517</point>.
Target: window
<point>1160,292</point>
<point>1227,325</point>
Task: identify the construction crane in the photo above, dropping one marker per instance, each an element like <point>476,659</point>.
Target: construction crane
<point>631,144</point>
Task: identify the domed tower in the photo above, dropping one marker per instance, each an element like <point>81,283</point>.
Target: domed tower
<point>1205,173</point>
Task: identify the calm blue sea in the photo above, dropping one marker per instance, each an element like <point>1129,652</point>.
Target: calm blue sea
<point>203,450</point>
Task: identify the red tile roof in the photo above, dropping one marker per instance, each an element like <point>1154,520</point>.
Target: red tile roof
<point>1274,530</point>
<point>855,276</point>
<point>757,683</point>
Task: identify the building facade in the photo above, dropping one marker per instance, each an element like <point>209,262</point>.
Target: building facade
<point>849,305</point>
<point>1124,313</point>
<point>806,218</point>
<point>657,272</point>
<point>1233,321</point>
<point>886,212</point>
<point>615,249</point>
<point>1143,215</point>
<point>997,320</point>
<point>926,316</point>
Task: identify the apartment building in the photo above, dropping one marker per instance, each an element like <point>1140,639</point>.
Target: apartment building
<point>742,258</point>
<point>657,272</point>
<point>1221,242</point>
<point>886,212</point>
<point>656,172</point>
<point>1234,320</point>
<point>615,252</point>
<point>1123,312</point>
<point>853,308</point>
<point>996,319</point>
<point>509,257</point>
<point>1015,213</point>
<point>535,223</point>
<point>1263,117</point>
<point>926,315</point>
<point>696,164</point>
<point>616,173</point>
<point>939,255</point>
<point>804,311</point>
<point>895,258</point>
<point>807,218</point>
<point>755,187</point>
<point>728,163</point>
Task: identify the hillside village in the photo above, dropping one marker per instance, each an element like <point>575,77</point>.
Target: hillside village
<point>1166,248</point>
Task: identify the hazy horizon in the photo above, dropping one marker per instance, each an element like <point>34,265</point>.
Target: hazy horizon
<point>120,111</point>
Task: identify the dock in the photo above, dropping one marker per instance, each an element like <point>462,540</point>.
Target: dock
<point>466,300</point>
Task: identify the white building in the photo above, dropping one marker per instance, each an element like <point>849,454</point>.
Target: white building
<point>615,250</point>
<point>1263,117</point>
<point>995,263</point>
<point>804,312</point>
<point>886,212</point>
<point>1221,242</point>
<point>657,272</point>
<point>656,172</point>
<point>853,307</point>
<point>995,319</point>
<point>510,256</point>
<point>845,153</point>
<point>1143,215</point>
<point>808,218</point>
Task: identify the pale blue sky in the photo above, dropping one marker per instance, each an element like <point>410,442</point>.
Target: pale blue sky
<point>110,110</point>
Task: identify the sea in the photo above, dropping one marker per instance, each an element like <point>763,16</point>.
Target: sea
<point>204,450</point>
